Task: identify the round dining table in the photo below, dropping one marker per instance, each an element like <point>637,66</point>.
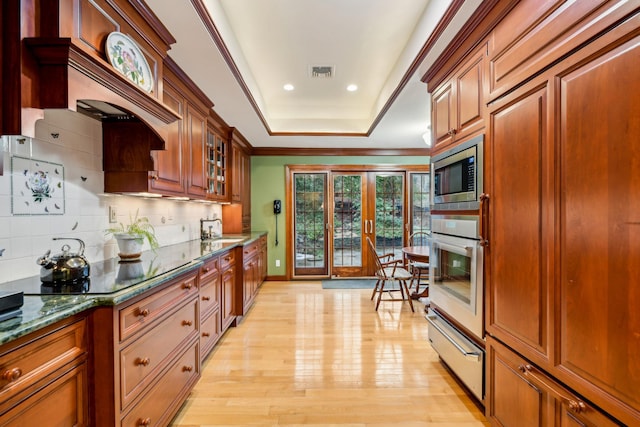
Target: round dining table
<point>417,254</point>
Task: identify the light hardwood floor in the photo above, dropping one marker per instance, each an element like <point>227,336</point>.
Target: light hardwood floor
<point>314,357</point>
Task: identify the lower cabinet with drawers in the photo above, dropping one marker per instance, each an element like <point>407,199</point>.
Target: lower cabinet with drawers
<point>146,354</point>
<point>43,377</point>
<point>254,271</point>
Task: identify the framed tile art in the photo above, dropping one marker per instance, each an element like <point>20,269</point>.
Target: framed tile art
<point>37,187</point>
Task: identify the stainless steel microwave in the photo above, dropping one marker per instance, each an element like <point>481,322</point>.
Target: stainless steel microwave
<point>456,182</point>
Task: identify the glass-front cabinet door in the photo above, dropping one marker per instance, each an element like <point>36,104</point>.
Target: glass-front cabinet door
<point>217,170</point>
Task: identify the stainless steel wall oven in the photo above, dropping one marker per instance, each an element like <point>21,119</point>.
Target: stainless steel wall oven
<point>457,299</point>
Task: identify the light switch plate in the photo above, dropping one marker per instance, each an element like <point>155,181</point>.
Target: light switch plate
<point>113,214</point>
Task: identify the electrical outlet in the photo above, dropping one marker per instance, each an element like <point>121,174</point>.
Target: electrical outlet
<point>113,214</point>
<point>277,263</point>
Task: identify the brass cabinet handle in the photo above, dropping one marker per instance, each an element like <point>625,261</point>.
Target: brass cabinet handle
<point>206,269</point>
<point>143,313</point>
<point>187,368</point>
<point>187,322</point>
<point>206,298</point>
<point>11,375</point>
<point>144,422</point>
<point>574,405</point>
<point>143,361</point>
<point>187,286</point>
<point>206,334</point>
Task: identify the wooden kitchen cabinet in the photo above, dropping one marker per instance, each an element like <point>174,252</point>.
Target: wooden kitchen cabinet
<point>521,156</point>
<point>219,169</point>
<point>210,316</point>
<point>178,170</point>
<point>236,217</point>
<point>561,264</point>
<point>228,279</point>
<point>253,273</point>
<point>521,395</point>
<point>146,354</point>
<point>457,105</point>
<point>44,377</point>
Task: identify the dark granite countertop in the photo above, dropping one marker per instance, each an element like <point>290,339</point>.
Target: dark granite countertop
<point>111,283</point>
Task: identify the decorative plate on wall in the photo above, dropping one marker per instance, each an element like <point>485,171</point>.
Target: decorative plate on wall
<point>126,57</point>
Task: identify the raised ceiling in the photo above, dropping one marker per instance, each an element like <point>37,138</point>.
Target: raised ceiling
<point>242,52</point>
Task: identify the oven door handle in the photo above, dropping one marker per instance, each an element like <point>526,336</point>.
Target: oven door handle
<point>469,355</point>
<point>460,250</point>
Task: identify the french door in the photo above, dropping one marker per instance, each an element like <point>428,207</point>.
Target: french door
<point>334,212</point>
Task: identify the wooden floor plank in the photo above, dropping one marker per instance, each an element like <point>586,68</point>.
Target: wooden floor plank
<point>304,356</point>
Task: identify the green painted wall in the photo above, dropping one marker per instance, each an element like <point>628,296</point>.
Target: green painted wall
<point>267,185</point>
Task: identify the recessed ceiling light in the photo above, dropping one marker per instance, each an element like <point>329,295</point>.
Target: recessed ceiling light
<point>288,87</point>
<point>352,88</point>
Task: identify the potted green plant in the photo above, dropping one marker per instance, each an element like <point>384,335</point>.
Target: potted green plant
<point>131,237</point>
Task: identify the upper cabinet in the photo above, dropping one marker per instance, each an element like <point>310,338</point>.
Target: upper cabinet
<point>217,164</point>
<point>457,105</point>
<point>181,168</point>
<point>236,217</point>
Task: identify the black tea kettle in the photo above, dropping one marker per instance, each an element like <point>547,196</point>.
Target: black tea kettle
<point>65,267</point>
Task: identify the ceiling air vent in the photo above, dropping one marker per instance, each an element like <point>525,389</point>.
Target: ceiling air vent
<point>322,71</point>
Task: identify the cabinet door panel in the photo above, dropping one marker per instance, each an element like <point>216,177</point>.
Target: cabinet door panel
<point>168,162</point>
<point>442,115</point>
<point>599,222</point>
<point>196,134</point>
<point>469,91</point>
<point>518,283</point>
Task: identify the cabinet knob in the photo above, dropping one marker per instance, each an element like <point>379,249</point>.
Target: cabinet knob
<point>187,322</point>
<point>206,298</point>
<point>206,334</point>
<point>187,286</point>
<point>11,375</point>
<point>143,312</point>
<point>143,361</point>
<point>144,421</point>
<point>206,269</point>
<point>187,368</point>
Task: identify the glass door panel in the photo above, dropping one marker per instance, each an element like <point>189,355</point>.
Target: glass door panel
<point>310,219</point>
<point>389,214</point>
<point>347,225</point>
<point>420,218</point>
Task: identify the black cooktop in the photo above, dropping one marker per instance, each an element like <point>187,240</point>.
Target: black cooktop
<point>109,276</point>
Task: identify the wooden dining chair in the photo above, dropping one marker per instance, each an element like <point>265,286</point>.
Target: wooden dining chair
<point>418,270</point>
<point>389,270</point>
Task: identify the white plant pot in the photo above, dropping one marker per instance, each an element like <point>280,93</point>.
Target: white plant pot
<point>129,270</point>
<point>130,246</point>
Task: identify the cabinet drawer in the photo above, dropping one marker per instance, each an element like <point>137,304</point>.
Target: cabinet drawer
<point>227,258</point>
<point>209,333</point>
<point>164,398</point>
<point>141,361</point>
<point>147,310</point>
<point>22,366</point>
<point>251,249</point>
<point>209,269</point>
<point>61,403</point>
<point>209,295</point>
<point>519,391</point>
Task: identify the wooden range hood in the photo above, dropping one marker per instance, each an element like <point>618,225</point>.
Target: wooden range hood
<point>63,65</point>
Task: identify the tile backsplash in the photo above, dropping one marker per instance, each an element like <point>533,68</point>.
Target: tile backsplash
<point>75,141</point>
